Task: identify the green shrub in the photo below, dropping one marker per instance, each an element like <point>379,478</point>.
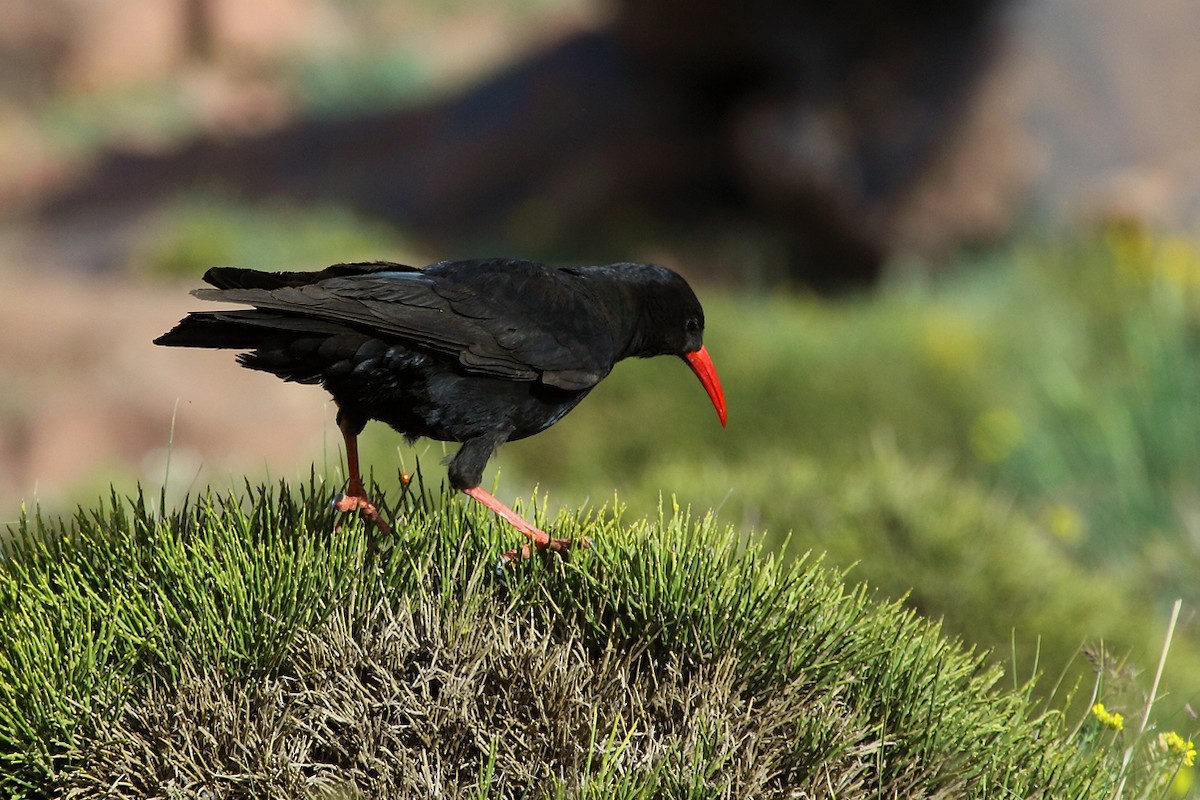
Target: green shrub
<point>190,236</point>
<point>241,649</point>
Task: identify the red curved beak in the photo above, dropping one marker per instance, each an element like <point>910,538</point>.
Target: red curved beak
<point>702,365</point>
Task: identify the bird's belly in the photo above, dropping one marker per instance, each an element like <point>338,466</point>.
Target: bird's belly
<point>461,408</point>
<point>442,403</point>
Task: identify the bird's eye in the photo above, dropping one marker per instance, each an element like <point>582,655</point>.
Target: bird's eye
<point>691,325</point>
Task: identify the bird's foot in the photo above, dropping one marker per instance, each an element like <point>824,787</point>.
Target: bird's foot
<point>539,541</point>
<point>347,502</point>
<point>541,547</point>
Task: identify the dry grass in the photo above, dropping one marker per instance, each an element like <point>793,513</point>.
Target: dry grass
<point>414,705</point>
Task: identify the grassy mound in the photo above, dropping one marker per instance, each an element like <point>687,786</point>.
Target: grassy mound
<point>238,648</point>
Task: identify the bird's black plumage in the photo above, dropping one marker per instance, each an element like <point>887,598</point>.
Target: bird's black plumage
<point>477,352</point>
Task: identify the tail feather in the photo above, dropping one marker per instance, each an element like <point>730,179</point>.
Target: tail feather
<point>244,330</point>
<point>261,329</point>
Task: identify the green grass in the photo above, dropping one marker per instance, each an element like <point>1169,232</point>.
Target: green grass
<point>239,648</point>
<point>369,81</point>
<point>189,236</point>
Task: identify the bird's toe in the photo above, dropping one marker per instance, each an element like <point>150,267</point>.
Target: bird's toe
<point>346,503</point>
<point>548,545</point>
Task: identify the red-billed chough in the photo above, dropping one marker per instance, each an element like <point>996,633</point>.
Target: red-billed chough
<point>479,352</point>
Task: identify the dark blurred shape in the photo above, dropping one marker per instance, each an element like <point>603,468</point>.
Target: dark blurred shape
<point>805,123</point>
<point>198,27</point>
<point>826,113</point>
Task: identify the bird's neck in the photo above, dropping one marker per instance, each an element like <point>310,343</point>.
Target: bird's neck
<point>624,312</point>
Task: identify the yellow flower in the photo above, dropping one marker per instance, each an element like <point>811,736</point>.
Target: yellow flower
<point>1182,783</point>
<point>1114,720</point>
<point>1064,521</point>
<point>1176,744</point>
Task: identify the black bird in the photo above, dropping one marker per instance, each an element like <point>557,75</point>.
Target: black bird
<point>479,352</point>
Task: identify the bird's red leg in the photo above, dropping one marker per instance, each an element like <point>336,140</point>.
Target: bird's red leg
<point>355,496</point>
<point>538,539</point>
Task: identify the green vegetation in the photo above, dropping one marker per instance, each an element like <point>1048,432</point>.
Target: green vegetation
<point>342,86</point>
<point>240,648</point>
<point>191,236</point>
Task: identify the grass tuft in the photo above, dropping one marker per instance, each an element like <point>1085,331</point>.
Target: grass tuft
<point>240,647</point>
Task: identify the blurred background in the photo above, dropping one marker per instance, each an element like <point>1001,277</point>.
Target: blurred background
<point>947,254</point>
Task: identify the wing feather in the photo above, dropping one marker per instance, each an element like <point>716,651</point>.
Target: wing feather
<point>516,320</point>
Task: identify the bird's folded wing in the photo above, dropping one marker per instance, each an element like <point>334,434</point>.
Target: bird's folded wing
<point>515,324</point>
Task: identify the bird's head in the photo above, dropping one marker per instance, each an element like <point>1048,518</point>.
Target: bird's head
<point>670,321</point>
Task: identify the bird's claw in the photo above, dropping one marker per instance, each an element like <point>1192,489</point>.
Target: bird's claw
<point>346,503</point>
<point>561,546</point>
